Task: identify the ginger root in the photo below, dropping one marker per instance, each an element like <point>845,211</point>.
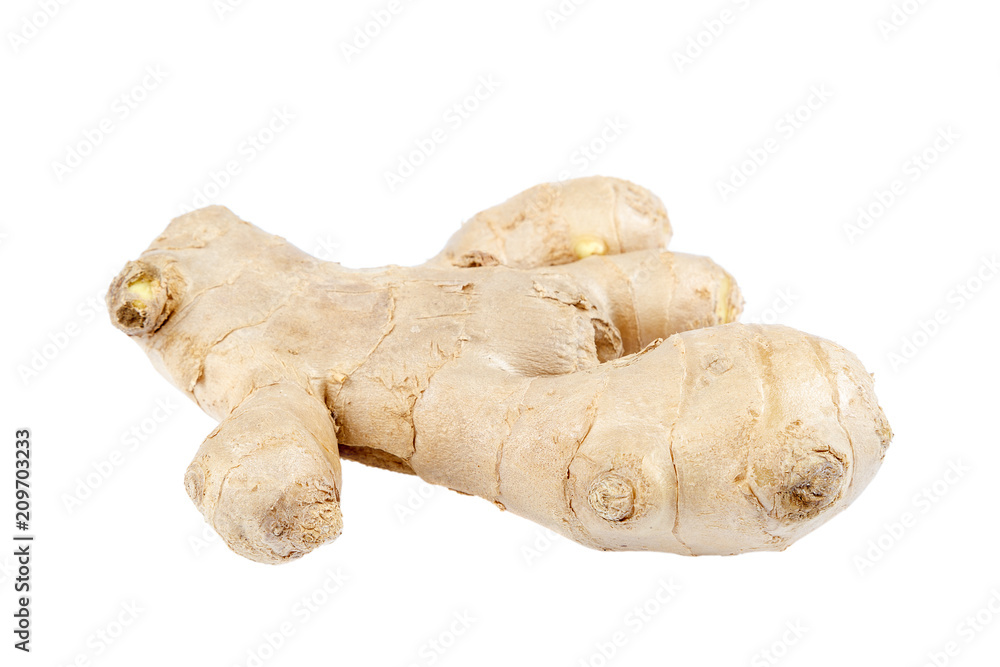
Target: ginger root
<point>554,359</point>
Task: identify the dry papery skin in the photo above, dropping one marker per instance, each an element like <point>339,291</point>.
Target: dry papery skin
<point>554,359</point>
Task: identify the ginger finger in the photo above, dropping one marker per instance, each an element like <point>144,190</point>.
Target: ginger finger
<point>268,478</point>
<point>652,294</point>
<point>558,223</point>
<point>716,441</point>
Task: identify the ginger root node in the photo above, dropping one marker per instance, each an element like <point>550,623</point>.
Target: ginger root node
<point>586,246</point>
<point>612,497</point>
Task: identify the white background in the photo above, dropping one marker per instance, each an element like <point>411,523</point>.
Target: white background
<point>863,589</point>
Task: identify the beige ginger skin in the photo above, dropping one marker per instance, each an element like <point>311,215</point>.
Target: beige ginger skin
<point>553,359</point>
